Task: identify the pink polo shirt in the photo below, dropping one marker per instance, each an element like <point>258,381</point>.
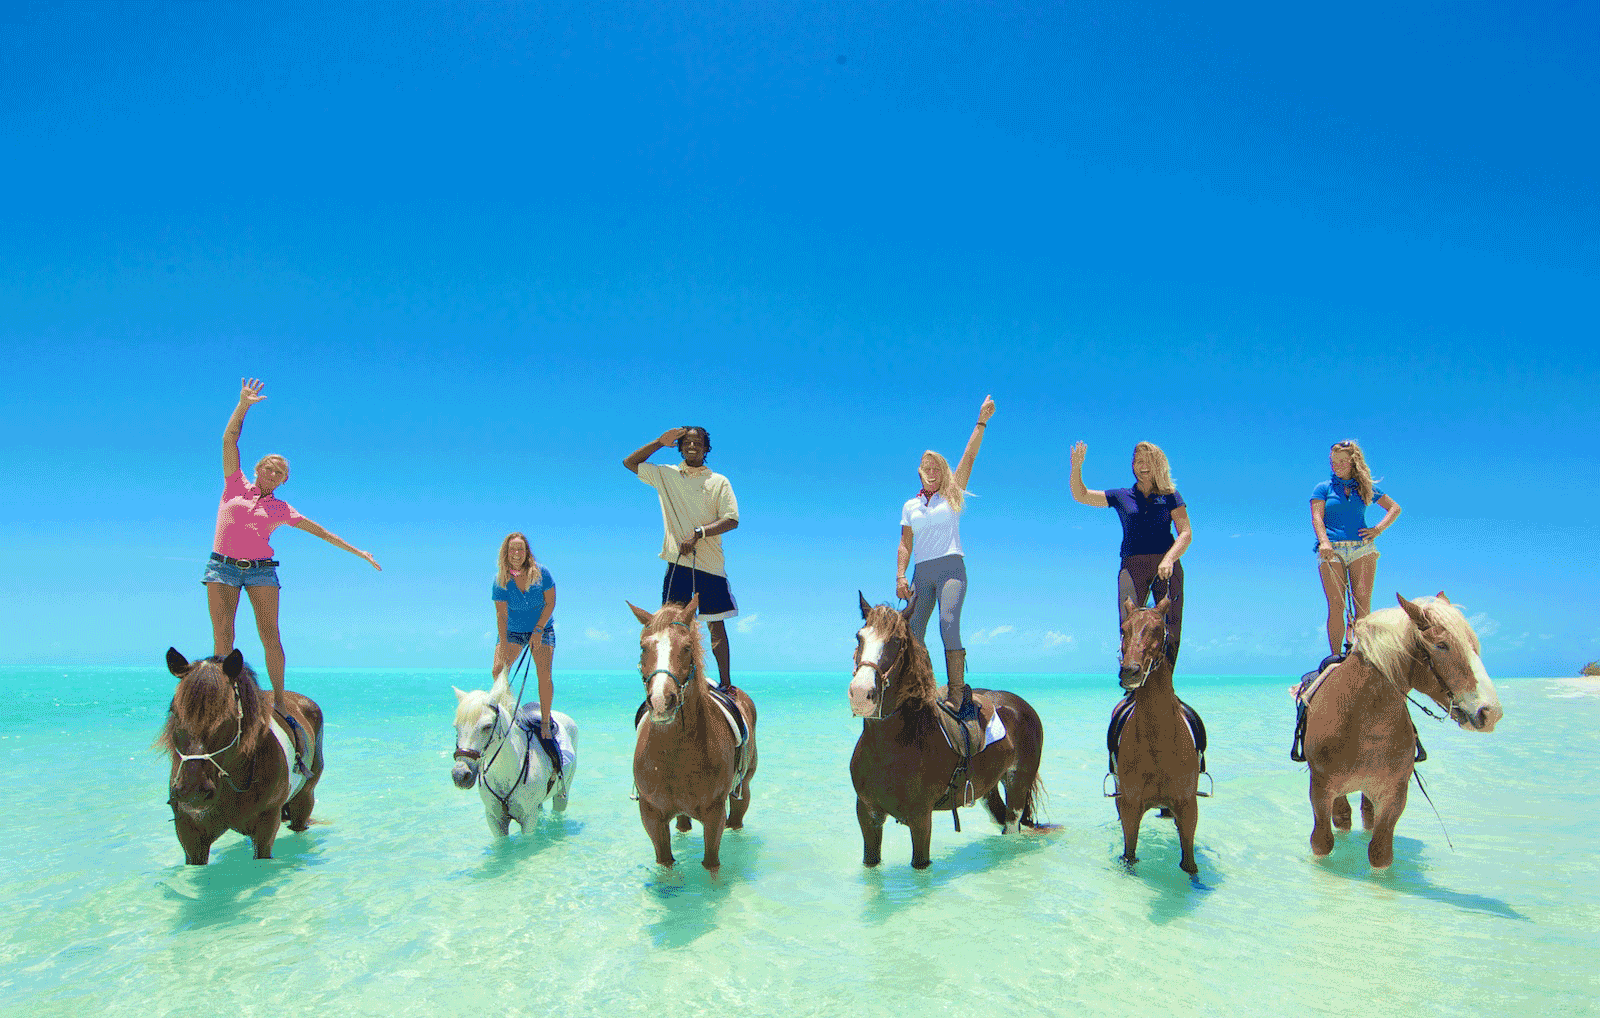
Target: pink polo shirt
<point>246,519</point>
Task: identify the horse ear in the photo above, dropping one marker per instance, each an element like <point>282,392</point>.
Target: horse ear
<point>233,664</point>
<point>865,607</point>
<point>694,604</point>
<point>1418,617</point>
<point>1127,609</point>
<point>643,616</point>
<point>1446,600</point>
<point>460,694</point>
<point>177,664</point>
<point>1163,605</point>
<point>911,606</point>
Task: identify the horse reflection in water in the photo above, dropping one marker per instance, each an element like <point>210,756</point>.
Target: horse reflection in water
<point>693,757</point>
<point>903,767</point>
<point>1359,735</point>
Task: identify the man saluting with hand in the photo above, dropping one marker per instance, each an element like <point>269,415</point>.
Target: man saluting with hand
<point>697,508</point>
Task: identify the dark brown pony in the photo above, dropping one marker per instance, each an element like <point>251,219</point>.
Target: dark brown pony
<point>687,761</point>
<point>1359,734</point>
<point>228,770</point>
<point>903,766</point>
<point>1158,765</point>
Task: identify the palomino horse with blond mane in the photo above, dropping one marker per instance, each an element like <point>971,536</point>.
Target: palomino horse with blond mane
<point>1157,754</point>
<point>904,765</point>
<point>696,749</point>
<point>232,761</point>
<point>495,750</point>
<point>1358,733</point>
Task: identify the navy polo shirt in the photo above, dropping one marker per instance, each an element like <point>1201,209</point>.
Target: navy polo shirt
<point>1146,520</point>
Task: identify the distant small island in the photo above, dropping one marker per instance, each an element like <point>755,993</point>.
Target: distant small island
<point>1592,668</point>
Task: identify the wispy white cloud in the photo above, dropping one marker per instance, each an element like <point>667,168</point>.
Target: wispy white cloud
<point>1055,639</point>
<point>1482,624</point>
<point>598,635</point>
<point>988,635</point>
<point>747,622</point>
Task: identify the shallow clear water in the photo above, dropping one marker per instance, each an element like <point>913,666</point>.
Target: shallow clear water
<point>400,902</point>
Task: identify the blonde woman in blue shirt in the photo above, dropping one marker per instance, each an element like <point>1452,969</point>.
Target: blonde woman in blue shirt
<point>524,605</point>
<point>1346,555</point>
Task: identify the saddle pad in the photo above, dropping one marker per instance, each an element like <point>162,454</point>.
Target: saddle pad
<point>1307,687</point>
<point>528,721</point>
<point>297,780</point>
<point>992,733</point>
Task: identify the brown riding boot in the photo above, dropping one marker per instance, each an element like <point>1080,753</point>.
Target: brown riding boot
<point>957,693</point>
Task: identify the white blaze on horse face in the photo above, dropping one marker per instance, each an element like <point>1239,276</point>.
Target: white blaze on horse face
<point>661,686</point>
<point>865,680</point>
<point>1482,702</point>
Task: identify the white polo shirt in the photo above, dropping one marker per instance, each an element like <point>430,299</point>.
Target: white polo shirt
<point>935,527</point>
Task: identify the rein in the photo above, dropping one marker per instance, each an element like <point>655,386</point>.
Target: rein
<point>211,758</point>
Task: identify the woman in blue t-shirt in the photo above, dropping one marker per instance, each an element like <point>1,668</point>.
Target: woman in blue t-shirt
<point>1149,512</point>
<point>524,603</point>
<point>1346,557</point>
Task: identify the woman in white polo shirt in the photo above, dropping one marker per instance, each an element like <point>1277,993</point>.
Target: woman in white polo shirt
<point>930,533</point>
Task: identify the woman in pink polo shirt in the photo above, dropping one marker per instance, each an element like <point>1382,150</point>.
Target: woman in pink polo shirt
<point>241,557</point>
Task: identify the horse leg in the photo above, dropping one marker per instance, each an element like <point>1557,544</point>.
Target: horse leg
<point>265,831</point>
<point>921,838</point>
<point>1341,812</point>
<point>1187,813</point>
<point>684,824</point>
<point>499,822</point>
<point>998,811</point>
<point>1380,851</point>
<point>871,822</point>
<point>1366,812</point>
<point>1130,813</point>
<point>737,808</point>
<point>1321,816</point>
<point>298,809</point>
<point>655,824</point>
<point>196,842</point>
<point>711,827</point>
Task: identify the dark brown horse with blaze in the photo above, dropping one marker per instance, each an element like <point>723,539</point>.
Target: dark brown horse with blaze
<point>1359,735</point>
<point>230,768</point>
<point>1158,764</point>
<point>693,757</point>
<point>903,767</point>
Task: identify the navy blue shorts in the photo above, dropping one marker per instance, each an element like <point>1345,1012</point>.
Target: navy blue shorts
<point>716,596</point>
<point>548,638</point>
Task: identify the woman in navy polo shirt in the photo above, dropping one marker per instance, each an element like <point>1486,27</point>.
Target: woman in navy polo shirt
<point>1346,556</point>
<point>524,603</point>
<point>1149,512</point>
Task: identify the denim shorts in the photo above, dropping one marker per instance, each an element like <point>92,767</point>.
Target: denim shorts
<point>1353,551</point>
<point>219,570</point>
<point>549,638</point>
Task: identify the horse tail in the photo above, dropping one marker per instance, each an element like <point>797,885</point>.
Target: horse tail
<point>1037,796</point>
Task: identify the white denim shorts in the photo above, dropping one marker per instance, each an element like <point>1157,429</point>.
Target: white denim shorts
<point>1352,551</point>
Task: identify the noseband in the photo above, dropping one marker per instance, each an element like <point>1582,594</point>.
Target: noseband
<point>678,682</point>
<point>880,680</point>
<point>1150,664</point>
<point>211,758</point>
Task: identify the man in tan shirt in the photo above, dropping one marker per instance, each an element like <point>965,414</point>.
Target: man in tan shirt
<point>697,508</point>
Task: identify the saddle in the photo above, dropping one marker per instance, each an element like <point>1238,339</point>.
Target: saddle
<point>729,705</point>
<point>1307,688</point>
<point>528,721</point>
<point>966,737</point>
<point>1124,710</point>
<point>299,742</point>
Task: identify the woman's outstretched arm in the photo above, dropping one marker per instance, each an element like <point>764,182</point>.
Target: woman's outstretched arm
<point>249,396</point>
<point>316,530</point>
<point>970,454</point>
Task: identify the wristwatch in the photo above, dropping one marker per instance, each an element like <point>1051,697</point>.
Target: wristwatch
<point>699,531</point>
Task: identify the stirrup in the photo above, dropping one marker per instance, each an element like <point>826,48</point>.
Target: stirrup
<point>966,710</point>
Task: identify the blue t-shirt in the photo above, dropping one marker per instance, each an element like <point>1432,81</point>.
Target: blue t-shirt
<point>1146,520</point>
<point>1343,512</point>
<point>523,607</point>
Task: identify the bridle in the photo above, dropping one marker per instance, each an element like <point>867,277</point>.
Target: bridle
<point>483,768</point>
<point>1153,659</point>
<point>211,758</point>
<point>880,678</point>
<point>678,682</point>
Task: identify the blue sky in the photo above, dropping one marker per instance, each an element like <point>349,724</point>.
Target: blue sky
<point>481,252</point>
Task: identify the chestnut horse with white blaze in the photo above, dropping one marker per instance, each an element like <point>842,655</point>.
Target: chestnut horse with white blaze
<point>1359,735</point>
<point>903,766</point>
<point>1158,763</point>
<point>692,757</point>
<point>231,767</point>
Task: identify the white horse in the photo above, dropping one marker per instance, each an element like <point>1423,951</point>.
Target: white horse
<point>492,751</point>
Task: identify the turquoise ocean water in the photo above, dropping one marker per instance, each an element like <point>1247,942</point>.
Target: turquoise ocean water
<point>400,902</point>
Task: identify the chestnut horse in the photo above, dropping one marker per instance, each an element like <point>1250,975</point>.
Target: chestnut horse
<point>903,766</point>
<point>1158,765</point>
<point>688,760</point>
<point>230,769</point>
<point>1359,735</point>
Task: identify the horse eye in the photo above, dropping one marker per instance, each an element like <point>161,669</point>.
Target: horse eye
<point>1442,646</point>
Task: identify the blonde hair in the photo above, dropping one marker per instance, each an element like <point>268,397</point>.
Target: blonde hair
<point>1161,472</point>
<point>1359,472</point>
<point>273,457</point>
<point>947,479</point>
<point>1387,638</point>
<point>503,576</point>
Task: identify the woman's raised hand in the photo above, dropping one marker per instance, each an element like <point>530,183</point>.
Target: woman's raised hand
<point>986,411</point>
<point>1079,451</point>
<point>250,391</point>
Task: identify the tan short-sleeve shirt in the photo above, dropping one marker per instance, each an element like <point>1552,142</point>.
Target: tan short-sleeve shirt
<point>691,497</point>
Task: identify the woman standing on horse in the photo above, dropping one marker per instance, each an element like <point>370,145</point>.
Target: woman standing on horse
<point>524,607</point>
<point>930,528</point>
<point>241,557</point>
<point>1149,511</point>
<point>1347,560</point>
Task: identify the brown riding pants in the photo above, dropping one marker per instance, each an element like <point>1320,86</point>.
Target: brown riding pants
<point>1136,580</point>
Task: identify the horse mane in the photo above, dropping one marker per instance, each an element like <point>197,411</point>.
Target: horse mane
<point>204,702</point>
<point>919,690</point>
<point>672,613</point>
<point>497,694</point>
<point>1385,639</point>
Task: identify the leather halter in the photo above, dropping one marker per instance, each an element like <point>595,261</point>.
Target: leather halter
<point>880,680</point>
<point>677,682</point>
<point>1154,659</point>
<point>238,732</point>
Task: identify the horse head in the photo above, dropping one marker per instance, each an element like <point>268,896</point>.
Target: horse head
<point>890,664</point>
<point>480,717</point>
<point>216,708</point>
<point>1144,642</point>
<point>1456,679</point>
<point>671,660</point>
